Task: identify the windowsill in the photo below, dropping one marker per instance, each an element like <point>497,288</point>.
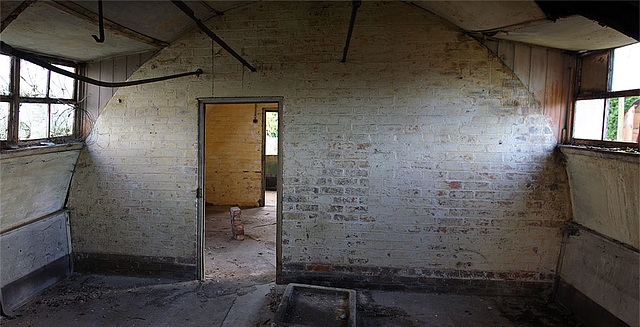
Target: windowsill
<point>39,149</point>
<point>632,156</point>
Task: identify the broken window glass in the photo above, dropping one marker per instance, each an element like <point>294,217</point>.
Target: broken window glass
<point>33,121</point>
<point>5,74</point>
<point>4,120</point>
<point>33,80</point>
<point>62,118</point>
<point>46,104</point>
<point>61,87</point>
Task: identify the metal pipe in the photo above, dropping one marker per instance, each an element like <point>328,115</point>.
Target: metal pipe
<point>354,10</point>
<point>210,33</point>
<point>80,12</point>
<point>7,49</point>
<point>100,23</point>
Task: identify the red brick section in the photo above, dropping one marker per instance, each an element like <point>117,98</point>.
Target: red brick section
<point>319,267</point>
<point>236,223</point>
<point>509,283</point>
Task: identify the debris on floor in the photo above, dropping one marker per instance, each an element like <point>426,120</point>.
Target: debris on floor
<point>255,257</point>
<point>94,300</point>
<point>237,229</point>
<point>311,305</point>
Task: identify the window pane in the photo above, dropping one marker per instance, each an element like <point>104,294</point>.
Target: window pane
<point>61,120</point>
<point>61,86</point>
<point>5,74</point>
<point>626,66</point>
<point>588,119</point>
<point>623,118</point>
<point>4,120</point>
<point>33,121</point>
<point>33,80</point>
<point>271,143</point>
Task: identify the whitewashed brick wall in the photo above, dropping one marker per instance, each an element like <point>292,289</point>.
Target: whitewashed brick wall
<point>421,152</point>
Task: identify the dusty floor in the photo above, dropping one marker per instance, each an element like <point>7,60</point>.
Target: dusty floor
<point>239,291</point>
<point>381,308</point>
<point>94,300</point>
<point>254,257</point>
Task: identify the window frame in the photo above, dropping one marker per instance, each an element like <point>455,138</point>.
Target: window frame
<point>14,99</point>
<point>579,95</point>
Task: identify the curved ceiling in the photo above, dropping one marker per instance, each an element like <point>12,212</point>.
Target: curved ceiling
<point>64,28</point>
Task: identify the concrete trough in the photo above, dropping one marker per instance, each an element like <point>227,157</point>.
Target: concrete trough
<point>309,305</point>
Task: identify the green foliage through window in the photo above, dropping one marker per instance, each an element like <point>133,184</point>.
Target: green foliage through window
<point>272,124</point>
<point>612,121</point>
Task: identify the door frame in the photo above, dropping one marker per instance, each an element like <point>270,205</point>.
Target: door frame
<point>200,203</point>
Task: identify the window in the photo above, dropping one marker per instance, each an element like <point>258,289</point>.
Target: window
<point>271,141</point>
<point>36,104</point>
<point>606,110</point>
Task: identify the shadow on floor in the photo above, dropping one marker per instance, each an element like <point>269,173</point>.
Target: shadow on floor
<point>95,300</point>
<point>239,291</point>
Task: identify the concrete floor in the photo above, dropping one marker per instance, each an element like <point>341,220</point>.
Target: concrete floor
<point>94,300</point>
<point>239,290</point>
<point>254,257</point>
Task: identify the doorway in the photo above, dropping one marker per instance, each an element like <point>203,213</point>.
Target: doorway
<point>239,166</point>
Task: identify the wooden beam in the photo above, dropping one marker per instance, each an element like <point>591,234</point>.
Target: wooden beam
<point>12,16</point>
<point>91,17</point>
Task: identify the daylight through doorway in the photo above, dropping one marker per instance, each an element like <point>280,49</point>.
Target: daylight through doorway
<point>254,257</point>
<point>240,170</point>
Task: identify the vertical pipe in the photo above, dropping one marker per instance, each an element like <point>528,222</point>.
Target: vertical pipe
<point>354,10</point>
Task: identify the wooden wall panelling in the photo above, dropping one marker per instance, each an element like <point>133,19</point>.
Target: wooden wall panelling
<point>146,56</point>
<point>491,45</point>
<point>553,105</point>
<point>568,83</point>
<point>506,52</point>
<point>106,75</point>
<point>133,62</point>
<point>92,95</point>
<point>522,63</point>
<point>119,71</point>
<point>595,70</point>
<point>547,73</point>
<point>538,74</point>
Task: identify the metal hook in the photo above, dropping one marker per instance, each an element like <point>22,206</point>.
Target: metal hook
<point>101,23</point>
